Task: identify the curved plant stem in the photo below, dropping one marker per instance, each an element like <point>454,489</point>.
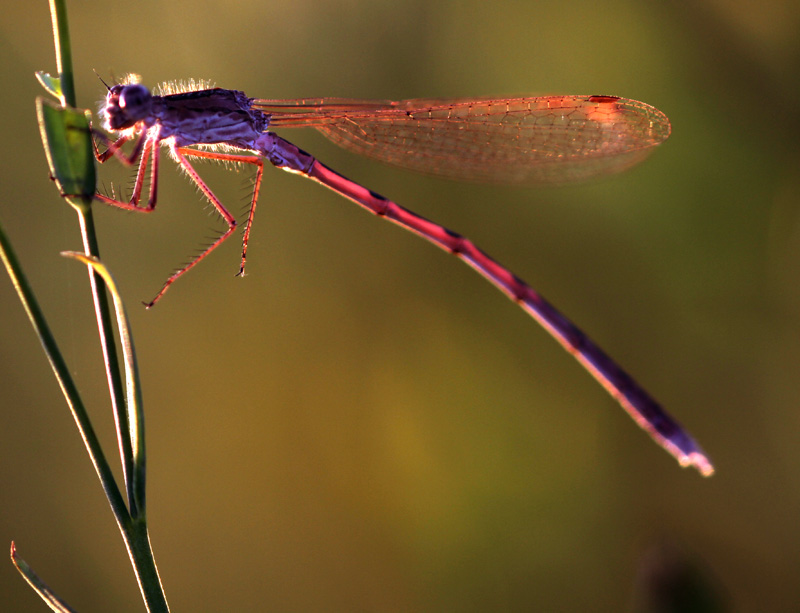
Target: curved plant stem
<point>66,133</point>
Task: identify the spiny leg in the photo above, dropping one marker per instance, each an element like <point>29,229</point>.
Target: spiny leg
<point>237,159</point>
<point>146,146</point>
<point>115,148</point>
<point>229,219</point>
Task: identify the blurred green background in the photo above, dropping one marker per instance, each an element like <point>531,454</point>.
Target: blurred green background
<point>362,423</point>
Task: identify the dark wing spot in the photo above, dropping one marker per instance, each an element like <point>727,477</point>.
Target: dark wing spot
<point>601,99</point>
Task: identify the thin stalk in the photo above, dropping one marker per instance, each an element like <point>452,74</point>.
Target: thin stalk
<point>91,247</point>
<point>131,520</point>
<point>61,372</point>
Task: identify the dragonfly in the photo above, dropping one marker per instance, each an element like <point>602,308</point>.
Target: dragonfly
<point>523,140</point>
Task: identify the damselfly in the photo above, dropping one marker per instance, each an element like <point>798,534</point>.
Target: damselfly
<point>533,140</point>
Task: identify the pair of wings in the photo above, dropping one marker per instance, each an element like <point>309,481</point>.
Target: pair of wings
<point>525,140</point>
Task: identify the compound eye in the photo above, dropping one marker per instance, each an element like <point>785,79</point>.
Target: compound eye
<point>133,96</point>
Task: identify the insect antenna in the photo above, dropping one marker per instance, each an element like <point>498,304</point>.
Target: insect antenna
<point>101,79</point>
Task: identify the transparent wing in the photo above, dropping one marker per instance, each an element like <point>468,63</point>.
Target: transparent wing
<point>528,140</point>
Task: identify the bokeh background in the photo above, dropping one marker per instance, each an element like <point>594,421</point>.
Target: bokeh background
<point>362,423</point>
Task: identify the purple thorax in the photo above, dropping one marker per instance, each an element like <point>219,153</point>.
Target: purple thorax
<point>204,117</point>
